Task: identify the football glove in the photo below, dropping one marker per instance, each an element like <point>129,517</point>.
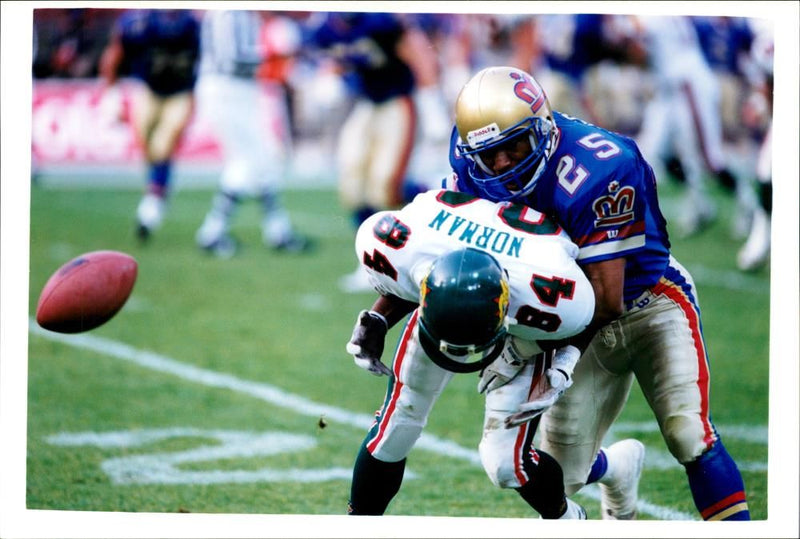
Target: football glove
<point>502,370</point>
<point>366,343</point>
<point>559,379</point>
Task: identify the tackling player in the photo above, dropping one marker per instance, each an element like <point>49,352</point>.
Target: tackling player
<point>473,272</point>
<point>509,145</point>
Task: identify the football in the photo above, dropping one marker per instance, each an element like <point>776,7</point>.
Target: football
<point>86,292</point>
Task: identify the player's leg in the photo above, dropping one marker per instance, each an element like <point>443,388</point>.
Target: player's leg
<point>653,137</point>
<point>352,155</point>
<point>221,106</point>
<point>698,209</point>
<point>672,368</point>
<point>175,113</point>
<point>574,428</point>
<point>705,94</point>
<point>755,252</point>
<point>277,231</point>
<point>145,112</point>
<point>410,395</point>
<point>393,133</point>
<point>510,459</point>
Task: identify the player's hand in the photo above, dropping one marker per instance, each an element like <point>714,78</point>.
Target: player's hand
<point>559,379</point>
<point>502,370</point>
<point>366,343</point>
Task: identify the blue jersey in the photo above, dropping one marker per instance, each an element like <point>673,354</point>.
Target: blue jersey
<point>365,45</point>
<point>161,48</point>
<point>580,39</point>
<point>601,190</point>
<point>724,41</point>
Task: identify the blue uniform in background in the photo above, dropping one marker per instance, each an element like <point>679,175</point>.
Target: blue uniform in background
<point>161,48</point>
<point>724,41</point>
<point>365,45</point>
<point>585,50</point>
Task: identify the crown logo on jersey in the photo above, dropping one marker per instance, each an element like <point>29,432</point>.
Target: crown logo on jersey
<point>616,208</point>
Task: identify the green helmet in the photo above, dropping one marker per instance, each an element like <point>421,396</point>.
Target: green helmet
<point>463,307</point>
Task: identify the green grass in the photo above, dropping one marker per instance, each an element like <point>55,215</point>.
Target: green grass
<point>280,320</point>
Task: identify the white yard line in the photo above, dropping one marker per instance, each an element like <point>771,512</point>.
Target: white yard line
<point>296,403</point>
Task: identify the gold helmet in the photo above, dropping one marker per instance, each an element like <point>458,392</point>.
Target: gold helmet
<point>497,106</point>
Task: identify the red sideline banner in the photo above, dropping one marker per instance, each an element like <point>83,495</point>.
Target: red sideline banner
<point>77,122</point>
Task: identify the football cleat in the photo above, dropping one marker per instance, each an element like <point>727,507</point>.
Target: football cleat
<point>224,247</point>
<point>293,244</point>
<point>575,511</point>
<point>619,489</point>
<point>755,252</point>
<point>149,215</point>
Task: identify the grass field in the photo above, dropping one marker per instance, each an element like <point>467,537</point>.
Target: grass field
<point>207,392</point>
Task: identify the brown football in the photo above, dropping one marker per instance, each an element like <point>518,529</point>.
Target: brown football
<point>86,292</point>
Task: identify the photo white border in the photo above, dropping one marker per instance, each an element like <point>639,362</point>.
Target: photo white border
<point>784,431</point>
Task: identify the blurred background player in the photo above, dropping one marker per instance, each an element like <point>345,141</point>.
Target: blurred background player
<point>160,48</point>
<point>758,112</point>
<point>240,93</point>
<point>383,62</point>
<point>682,119</point>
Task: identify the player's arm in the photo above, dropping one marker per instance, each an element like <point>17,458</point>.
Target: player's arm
<point>607,278</point>
<point>392,308</point>
<point>111,60</point>
<point>369,333</point>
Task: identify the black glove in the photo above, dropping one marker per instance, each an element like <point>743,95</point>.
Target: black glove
<point>366,343</point>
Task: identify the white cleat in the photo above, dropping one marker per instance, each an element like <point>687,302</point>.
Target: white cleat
<point>575,511</point>
<point>755,252</point>
<point>149,215</point>
<point>619,489</point>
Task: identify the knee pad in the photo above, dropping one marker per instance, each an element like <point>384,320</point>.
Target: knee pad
<point>499,465</point>
<point>501,453</point>
<point>402,429</point>
<point>685,437</point>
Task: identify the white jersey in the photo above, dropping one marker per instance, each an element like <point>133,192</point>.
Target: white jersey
<point>550,297</point>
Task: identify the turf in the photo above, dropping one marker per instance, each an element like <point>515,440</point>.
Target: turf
<point>265,334</point>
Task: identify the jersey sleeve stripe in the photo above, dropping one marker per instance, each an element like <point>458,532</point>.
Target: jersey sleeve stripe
<point>611,247</point>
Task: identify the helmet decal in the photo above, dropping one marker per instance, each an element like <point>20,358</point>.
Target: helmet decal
<point>502,302</point>
<point>529,91</point>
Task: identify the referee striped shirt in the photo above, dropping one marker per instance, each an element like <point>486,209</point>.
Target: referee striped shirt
<point>230,42</point>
